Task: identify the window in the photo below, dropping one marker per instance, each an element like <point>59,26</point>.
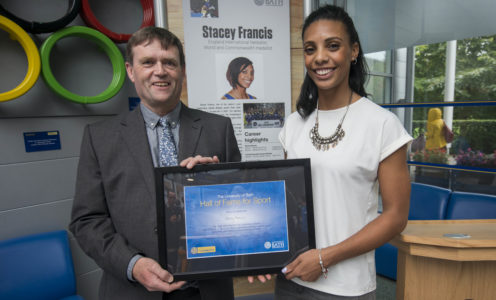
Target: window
<point>468,163</point>
<point>379,84</point>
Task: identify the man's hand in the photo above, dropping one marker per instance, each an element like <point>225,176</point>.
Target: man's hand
<point>261,278</point>
<point>149,273</point>
<point>190,162</point>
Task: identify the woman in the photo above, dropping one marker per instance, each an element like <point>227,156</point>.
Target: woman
<point>240,74</point>
<point>434,137</point>
<point>356,148</point>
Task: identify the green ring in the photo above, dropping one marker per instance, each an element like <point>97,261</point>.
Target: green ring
<point>104,43</point>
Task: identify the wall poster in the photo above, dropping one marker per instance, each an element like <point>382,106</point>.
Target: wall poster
<point>238,65</point>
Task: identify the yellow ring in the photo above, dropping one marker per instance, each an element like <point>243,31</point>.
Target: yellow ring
<point>34,64</point>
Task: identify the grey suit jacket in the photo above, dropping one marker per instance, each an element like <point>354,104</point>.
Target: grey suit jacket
<point>114,213</point>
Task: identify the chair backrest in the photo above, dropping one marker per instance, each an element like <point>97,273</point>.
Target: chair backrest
<point>37,267</point>
<point>428,202</point>
<point>463,205</point>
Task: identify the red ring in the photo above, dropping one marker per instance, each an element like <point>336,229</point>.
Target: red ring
<point>90,20</point>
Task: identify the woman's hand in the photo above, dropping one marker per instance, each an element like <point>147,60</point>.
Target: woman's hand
<point>306,267</point>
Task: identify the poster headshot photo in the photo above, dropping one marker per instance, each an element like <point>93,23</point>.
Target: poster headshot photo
<point>204,8</point>
<point>239,76</point>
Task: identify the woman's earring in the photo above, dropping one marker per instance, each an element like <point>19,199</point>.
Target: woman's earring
<point>354,62</point>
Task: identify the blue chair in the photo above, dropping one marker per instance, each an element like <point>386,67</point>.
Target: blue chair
<point>463,205</point>
<point>386,260</point>
<point>37,266</point>
<point>427,202</point>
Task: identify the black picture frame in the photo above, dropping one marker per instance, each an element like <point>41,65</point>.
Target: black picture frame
<point>171,184</point>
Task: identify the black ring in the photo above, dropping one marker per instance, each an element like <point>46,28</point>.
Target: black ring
<point>37,27</point>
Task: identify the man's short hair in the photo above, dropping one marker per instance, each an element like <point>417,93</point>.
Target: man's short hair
<point>146,35</point>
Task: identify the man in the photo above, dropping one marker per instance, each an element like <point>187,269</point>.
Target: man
<point>114,214</point>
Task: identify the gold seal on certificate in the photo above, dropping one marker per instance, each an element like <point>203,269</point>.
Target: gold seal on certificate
<point>233,218</point>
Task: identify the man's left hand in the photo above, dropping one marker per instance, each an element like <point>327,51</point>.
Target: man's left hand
<point>190,162</point>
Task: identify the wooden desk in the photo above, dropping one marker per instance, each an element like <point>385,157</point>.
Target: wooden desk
<point>431,266</point>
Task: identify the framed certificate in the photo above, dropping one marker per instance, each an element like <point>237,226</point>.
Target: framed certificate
<point>232,219</point>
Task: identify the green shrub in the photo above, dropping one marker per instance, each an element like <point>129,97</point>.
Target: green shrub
<point>435,156</point>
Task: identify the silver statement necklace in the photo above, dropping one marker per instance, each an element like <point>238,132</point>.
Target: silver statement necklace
<point>325,143</point>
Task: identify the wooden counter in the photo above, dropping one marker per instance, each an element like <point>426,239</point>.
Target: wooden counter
<point>432,266</point>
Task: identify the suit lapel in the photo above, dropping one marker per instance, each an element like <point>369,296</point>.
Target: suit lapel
<point>189,132</point>
<point>134,135</point>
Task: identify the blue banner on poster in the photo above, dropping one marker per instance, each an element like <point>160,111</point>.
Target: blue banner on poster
<point>42,141</point>
<point>238,218</point>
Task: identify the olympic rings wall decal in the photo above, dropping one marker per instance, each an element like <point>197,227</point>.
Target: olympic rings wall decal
<point>33,56</point>
<point>45,27</point>
<point>90,20</point>
<point>104,43</point>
